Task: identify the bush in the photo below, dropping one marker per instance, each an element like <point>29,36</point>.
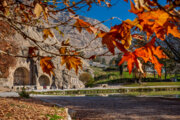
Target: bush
<point>86,78</point>
<point>23,93</point>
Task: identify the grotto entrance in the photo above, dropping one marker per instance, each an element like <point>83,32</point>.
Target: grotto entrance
<point>44,81</point>
<point>21,76</point>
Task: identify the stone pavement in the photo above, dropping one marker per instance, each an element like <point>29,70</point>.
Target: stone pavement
<point>119,108</point>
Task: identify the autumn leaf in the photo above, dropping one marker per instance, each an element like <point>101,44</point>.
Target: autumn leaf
<point>71,62</point>
<point>45,13</point>
<point>108,41</point>
<point>131,59</point>
<point>120,33</point>
<point>158,22</point>
<point>172,29</point>
<point>134,9</point>
<point>79,24</point>
<point>47,65</point>
<point>157,65</point>
<point>108,4</point>
<point>47,33</point>
<point>31,51</point>
<point>60,32</point>
<point>38,10</point>
<point>150,53</point>
<point>63,49</point>
<point>138,36</point>
<point>69,57</point>
<point>92,57</point>
<point>6,8</point>
<point>120,46</point>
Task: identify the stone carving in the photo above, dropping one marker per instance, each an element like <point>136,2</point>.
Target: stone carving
<point>28,72</point>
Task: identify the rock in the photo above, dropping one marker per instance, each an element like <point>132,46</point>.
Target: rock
<point>64,78</point>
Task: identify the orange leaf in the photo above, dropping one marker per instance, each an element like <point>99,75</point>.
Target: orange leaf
<point>135,10</point>
<point>108,41</point>
<point>79,24</point>
<point>47,33</point>
<point>158,22</point>
<point>173,30</point>
<point>63,49</point>
<point>150,53</point>
<point>47,65</point>
<point>120,46</point>
<point>69,57</point>
<point>121,32</point>
<point>131,60</point>
<point>71,62</point>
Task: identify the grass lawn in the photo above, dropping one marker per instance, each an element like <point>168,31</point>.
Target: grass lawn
<point>103,77</point>
<point>157,93</point>
<point>153,84</point>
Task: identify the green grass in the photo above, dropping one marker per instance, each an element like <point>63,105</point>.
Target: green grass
<point>108,77</point>
<point>153,84</point>
<point>157,93</point>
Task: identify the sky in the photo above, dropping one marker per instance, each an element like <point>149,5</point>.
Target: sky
<point>119,9</point>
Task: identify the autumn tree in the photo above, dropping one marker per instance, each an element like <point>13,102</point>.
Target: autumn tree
<point>156,20</point>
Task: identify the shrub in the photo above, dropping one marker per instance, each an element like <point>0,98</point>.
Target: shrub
<point>23,93</point>
<point>86,78</point>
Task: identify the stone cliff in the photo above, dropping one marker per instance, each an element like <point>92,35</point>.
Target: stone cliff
<point>29,73</point>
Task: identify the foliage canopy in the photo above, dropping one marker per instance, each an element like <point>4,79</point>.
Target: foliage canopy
<point>155,20</point>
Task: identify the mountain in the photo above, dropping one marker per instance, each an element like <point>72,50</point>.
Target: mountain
<point>80,39</point>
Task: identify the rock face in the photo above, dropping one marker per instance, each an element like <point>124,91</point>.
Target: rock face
<point>28,72</point>
<point>80,39</point>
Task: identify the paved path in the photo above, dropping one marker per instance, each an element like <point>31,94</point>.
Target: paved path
<point>120,108</point>
<point>8,94</point>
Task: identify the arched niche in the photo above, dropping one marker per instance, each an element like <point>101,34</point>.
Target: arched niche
<point>21,76</point>
<point>44,81</point>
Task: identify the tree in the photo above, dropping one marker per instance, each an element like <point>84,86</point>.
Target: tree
<point>103,61</point>
<point>112,62</point>
<point>120,66</point>
<point>155,20</point>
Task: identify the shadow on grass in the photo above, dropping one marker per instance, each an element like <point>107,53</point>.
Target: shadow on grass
<point>101,77</point>
<point>126,80</point>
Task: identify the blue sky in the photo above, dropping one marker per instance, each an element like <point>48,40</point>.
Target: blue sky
<point>120,10</point>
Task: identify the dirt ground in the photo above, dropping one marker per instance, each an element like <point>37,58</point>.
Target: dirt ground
<point>121,108</point>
